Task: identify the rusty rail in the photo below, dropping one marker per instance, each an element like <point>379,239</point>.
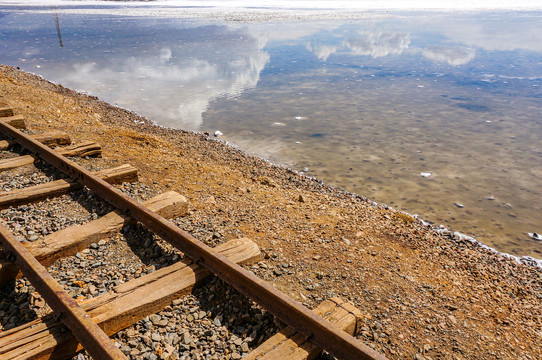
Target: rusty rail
<point>87,332</point>
<point>313,327</point>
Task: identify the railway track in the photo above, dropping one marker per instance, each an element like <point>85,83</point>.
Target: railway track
<point>92,321</point>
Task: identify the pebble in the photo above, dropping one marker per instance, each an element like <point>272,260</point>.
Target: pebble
<point>426,174</point>
<point>459,205</point>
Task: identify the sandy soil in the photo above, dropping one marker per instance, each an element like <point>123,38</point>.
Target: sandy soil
<point>424,295</point>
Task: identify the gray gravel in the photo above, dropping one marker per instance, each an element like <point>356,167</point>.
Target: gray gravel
<point>214,322</point>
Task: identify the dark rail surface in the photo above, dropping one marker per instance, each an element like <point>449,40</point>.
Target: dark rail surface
<point>87,332</point>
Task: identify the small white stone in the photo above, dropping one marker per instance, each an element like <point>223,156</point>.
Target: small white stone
<point>218,133</point>
<point>426,174</point>
<point>535,236</point>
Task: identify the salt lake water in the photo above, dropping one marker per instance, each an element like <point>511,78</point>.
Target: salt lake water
<point>365,103</point>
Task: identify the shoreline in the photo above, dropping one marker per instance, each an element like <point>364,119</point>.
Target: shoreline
<point>440,229</point>
<point>454,235</point>
<point>370,247</point>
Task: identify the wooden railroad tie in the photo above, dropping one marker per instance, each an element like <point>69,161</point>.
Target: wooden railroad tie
<point>70,240</point>
<point>12,163</point>
<point>7,115</point>
<point>124,306</point>
<point>17,121</point>
<point>117,175</point>
<point>87,148</point>
<point>5,111</point>
<point>51,139</point>
<point>288,344</point>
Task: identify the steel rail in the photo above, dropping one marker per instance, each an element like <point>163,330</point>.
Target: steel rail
<point>313,327</point>
<point>87,332</point>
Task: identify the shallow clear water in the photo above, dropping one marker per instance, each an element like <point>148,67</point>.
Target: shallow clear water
<point>366,105</point>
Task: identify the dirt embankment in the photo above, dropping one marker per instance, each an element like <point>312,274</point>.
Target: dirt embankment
<point>423,295</point>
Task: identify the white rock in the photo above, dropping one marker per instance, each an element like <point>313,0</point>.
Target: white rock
<point>218,133</point>
<point>426,174</point>
<point>535,236</point>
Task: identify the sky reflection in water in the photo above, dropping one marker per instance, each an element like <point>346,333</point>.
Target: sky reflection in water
<point>366,105</point>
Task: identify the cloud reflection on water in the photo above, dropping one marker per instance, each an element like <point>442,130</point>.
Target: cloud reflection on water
<point>173,86</point>
<point>507,35</point>
<point>174,77</point>
<point>378,44</point>
<point>323,52</point>
<point>373,44</point>
<point>454,56</point>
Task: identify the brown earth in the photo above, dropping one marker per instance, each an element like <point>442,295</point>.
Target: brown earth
<point>424,295</point>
